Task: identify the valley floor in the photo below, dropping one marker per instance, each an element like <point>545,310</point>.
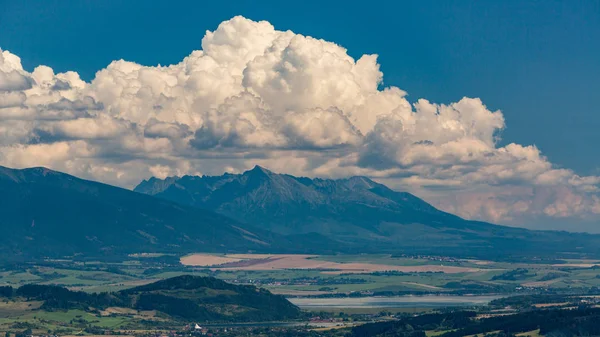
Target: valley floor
<point>335,291</point>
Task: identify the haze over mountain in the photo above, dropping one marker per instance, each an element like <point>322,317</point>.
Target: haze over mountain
<point>48,213</point>
<point>357,213</point>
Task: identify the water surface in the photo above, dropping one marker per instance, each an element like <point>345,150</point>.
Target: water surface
<point>420,301</point>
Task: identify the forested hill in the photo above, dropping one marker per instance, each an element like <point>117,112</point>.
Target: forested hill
<point>551,322</point>
<point>184,297</point>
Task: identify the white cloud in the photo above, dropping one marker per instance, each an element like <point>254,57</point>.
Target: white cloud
<point>318,128</point>
<point>240,122</point>
<point>11,99</point>
<point>297,104</point>
<point>175,131</point>
<point>99,127</point>
<point>515,204</point>
<point>12,76</point>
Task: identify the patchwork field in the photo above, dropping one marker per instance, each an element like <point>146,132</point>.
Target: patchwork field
<point>337,284</point>
<point>206,260</point>
<point>14,316</point>
<point>310,262</point>
<point>319,275</point>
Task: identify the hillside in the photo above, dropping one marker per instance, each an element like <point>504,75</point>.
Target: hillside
<point>359,215</point>
<point>289,205</point>
<point>48,213</point>
<point>184,297</point>
<point>52,214</point>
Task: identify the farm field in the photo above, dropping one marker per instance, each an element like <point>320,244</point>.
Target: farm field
<point>334,265</point>
<point>314,275</point>
<point>332,284</point>
<point>21,314</point>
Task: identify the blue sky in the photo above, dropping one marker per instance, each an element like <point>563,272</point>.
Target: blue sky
<point>535,61</point>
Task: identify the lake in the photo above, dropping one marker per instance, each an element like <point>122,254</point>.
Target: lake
<point>416,301</point>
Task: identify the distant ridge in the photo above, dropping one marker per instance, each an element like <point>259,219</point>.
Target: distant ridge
<point>48,213</point>
<point>286,204</point>
<point>358,214</point>
<point>44,213</point>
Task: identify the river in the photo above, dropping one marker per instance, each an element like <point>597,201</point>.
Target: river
<point>416,301</point>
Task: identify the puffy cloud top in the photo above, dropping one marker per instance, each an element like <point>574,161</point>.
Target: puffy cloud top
<point>254,94</point>
<point>12,76</point>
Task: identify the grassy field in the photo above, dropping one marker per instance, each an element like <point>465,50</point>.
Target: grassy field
<point>533,333</point>
<point>433,333</point>
<point>101,277</point>
<point>18,315</point>
<point>95,276</point>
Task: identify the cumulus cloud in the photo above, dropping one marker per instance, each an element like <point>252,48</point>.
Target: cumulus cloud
<point>175,131</point>
<point>12,76</point>
<point>301,105</point>
<point>11,99</point>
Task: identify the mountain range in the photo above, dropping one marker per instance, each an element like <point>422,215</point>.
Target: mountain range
<point>359,215</point>
<point>48,213</point>
<point>44,213</point>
